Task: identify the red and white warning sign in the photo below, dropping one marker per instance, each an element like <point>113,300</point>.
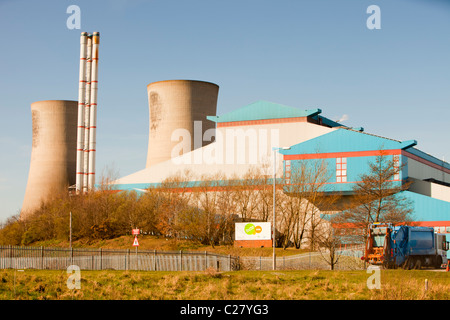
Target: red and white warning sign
<point>134,231</point>
<point>135,243</point>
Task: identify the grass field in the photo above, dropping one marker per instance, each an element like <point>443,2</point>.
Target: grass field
<point>210,285</point>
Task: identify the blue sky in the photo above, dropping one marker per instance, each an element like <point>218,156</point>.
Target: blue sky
<point>393,81</point>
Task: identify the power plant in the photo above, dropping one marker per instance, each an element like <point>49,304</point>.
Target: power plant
<point>176,105</point>
<point>53,155</point>
<point>182,112</point>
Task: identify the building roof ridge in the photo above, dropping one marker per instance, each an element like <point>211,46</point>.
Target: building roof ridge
<point>267,110</point>
<point>366,133</point>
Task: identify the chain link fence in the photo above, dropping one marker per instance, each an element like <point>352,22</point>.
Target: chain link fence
<point>20,257</point>
<point>347,260</point>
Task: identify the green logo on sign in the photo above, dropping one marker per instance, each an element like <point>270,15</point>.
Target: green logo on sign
<point>250,229</point>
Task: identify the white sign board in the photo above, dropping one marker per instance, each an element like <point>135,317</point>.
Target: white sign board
<point>253,231</point>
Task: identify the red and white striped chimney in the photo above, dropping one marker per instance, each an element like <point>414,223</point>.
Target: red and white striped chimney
<point>87,112</point>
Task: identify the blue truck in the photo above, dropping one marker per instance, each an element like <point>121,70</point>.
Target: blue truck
<point>405,246</point>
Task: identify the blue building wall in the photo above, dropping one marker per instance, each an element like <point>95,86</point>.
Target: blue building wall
<point>355,167</point>
<point>360,149</point>
<point>427,209</point>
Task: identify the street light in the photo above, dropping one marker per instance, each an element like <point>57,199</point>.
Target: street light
<point>274,192</point>
<point>70,227</point>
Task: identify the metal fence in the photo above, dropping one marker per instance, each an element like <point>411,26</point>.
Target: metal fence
<point>19,257</point>
<point>349,259</point>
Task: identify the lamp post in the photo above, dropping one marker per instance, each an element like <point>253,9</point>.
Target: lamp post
<point>274,192</point>
<point>70,227</point>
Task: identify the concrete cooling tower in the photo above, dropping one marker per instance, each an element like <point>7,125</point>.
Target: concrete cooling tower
<point>53,155</point>
<point>178,105</point>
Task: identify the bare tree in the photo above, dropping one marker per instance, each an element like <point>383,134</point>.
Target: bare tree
<point>377,197</point>
<point>173,195</point>
<point>245,195</point>
<point>207,199</point>
<point>108,176</point>
<point>264,191</point>
<point>228,213</point>
<point>306,195</point>
<point>328,245</point>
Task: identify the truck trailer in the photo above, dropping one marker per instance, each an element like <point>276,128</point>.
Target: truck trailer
<point>405,246</point>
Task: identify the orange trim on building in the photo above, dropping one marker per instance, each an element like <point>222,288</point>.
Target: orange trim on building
<point>220,188</point>
<point>369,153</point>
<point>348,154</point>
<point>433,223</point>
<point>264,121</point>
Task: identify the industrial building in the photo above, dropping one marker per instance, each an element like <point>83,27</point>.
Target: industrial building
<point>249,136</point>
<point>187,138</point>
<point>185,135</point>
<point>231,144</point>
<point>234,151</point>
<point>347,154</point>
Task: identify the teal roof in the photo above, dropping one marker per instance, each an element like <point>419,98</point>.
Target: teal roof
<point>347,140</point>
<point>262,110</point>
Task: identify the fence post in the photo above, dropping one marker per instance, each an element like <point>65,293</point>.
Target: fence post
<point>127,259</point>
<point>14,254</point>
<point>42,258</point>
<point>229,262</point>
<point>10,256</point>
<point>206,260</point>
<point>155,259</point>
<point>181,260</point>
<point>137,259</point>
<point>101,259</point>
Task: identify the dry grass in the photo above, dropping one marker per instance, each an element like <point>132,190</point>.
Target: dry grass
<point>210,284</point>
<point>147,242</point>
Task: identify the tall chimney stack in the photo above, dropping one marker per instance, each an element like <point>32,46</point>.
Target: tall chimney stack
<point>87,117</point>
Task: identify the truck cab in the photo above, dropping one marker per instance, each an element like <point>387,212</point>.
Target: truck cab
<point>442,247</point>
<point>377,251</point>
